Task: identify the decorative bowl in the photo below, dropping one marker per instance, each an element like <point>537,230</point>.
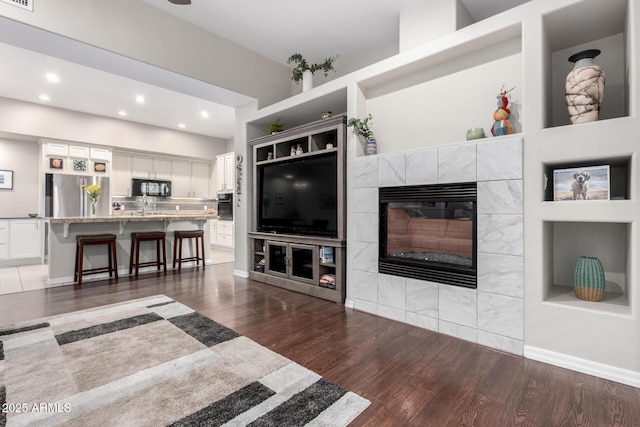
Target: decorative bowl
<point>33,215</point>
<point>475,133</point>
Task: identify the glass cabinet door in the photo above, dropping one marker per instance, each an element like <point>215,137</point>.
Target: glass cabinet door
<point>276,260</point>
<point>304,261</point>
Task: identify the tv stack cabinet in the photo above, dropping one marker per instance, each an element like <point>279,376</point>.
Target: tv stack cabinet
<point>302,263</point>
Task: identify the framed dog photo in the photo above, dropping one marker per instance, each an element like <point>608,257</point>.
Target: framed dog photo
<point>585,183</point>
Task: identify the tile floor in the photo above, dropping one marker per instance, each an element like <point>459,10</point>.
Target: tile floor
<point>31,277</point>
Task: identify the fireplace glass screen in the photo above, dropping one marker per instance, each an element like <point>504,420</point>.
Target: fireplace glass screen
<point>429,233</point>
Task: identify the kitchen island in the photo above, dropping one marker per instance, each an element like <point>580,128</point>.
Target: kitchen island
<point>63,232</point>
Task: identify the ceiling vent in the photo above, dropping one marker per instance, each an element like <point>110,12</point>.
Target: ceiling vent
<point>24,4</point>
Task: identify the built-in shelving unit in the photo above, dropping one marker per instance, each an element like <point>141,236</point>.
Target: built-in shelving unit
<point>411,95</point>
<point>294,261</point>
<point>558,232</point>
<point>589,24</point>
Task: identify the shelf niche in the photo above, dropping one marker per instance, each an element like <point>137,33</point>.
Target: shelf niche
<point>619,176</point>
<point>590,24</point>
<point>565,242</point>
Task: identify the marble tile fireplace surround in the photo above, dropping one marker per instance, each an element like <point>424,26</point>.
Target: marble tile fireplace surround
<point>490,315</point>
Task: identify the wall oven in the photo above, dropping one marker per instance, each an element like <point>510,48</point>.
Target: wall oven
<point>225,206</point>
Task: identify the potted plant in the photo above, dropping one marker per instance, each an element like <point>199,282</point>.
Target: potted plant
<point>274,127</point>
<point>304,71</point>
<point>361,128</point>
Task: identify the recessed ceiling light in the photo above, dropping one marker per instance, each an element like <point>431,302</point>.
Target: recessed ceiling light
<point>44,97</point>
<point>204,114</point>
<point>122,113</point>
<point>182,125</point>
<point>140,99</point>
<point>52,78</point>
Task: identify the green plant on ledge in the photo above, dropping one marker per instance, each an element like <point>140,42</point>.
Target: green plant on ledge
<point>274,127</point>
<point>361,127</point>
<point>302,65</point>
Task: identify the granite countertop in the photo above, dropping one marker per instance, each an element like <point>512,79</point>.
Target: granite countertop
<point>20,217</point>
<point>135,217</point>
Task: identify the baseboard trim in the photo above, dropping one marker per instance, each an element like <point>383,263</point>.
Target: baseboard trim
<point>241,273</point>
<point>619,375</point>
<point>348,303</point>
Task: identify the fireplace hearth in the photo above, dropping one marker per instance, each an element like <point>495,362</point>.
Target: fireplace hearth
<point>428,232</point>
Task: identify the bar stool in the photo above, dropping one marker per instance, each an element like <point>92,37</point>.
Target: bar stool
<point>91,240</point>
<point>150,236</point>
<point>179,235</point>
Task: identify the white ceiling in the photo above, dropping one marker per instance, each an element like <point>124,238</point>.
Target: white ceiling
<point>338,26</point>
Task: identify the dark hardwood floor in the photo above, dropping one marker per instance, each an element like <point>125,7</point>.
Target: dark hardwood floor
<point>411,376</point>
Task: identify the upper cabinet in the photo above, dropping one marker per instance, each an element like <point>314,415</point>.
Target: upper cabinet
<point>121,173</point>
<point>75,159</point>
<point>152,167</point>
<point>225,172</point>
<point>200,178</point>
<point>189,178</point>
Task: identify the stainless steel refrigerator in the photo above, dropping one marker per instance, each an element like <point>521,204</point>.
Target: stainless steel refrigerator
<point>65,197</point>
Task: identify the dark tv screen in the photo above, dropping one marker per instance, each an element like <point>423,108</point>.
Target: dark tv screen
<point>299,196</point>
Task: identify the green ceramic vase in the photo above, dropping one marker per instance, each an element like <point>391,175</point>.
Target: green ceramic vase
<point>588,279</point>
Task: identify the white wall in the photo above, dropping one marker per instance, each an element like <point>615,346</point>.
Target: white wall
<point>24,118</point>
<point>426,22</point>
<point>23,158</point>
<point>137,30</point>
<point>429,114</point>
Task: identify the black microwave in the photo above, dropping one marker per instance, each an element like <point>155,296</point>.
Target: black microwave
<point>150,187</point>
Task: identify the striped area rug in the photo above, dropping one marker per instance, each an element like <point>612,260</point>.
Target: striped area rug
<point>156,362</point>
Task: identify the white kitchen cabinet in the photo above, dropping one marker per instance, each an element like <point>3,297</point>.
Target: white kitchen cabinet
<point>79,152</point>
<point>53,149</point>
<point>100,154</point>
<point>25,238</point>
<point>143,166</point>
<point>121,174</point>
<point>200,173</point>
<point>213,232</point>
<point>225,234</point>
<point>190,179</point>
<point>180,178</point>
<point>4,240</point>
<point>161,168</point>
<point>225,172</point>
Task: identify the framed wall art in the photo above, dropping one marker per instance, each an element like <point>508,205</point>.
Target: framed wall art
<point>80,165</point>
<point>55,163</point>
<point>6,180</point>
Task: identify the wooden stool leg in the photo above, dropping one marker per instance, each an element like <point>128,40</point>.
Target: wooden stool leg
<point>115,259</point>
<point>195,243</point>
<point>164,254</point>
<point>80,259</point>
<point>110,259</point>
<point>158,253</point>
<point>175,251</point>
<point>202,248</point>
<point>180,256</point>
<point>75,267</point>
<point>137,256</point>
<point>131,255</point>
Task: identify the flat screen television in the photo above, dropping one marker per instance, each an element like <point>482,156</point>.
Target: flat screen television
<point>299,196</point>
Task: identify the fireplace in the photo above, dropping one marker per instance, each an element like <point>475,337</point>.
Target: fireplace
<point>428,232</point>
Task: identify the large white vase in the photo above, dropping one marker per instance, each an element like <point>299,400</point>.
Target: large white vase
<point>307,80</point>
<point>584,87</point>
